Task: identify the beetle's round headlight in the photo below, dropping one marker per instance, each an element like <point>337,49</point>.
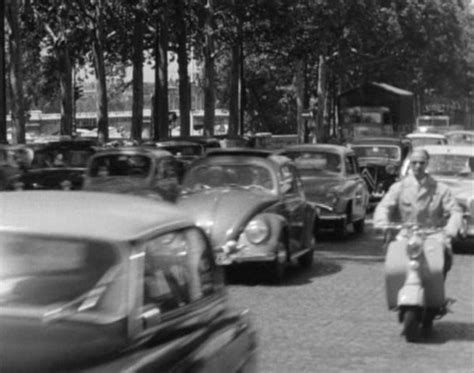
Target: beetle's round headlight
<point>257,231</point>
<point>391,169</point>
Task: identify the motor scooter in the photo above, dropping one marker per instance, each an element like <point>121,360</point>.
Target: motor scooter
<point>414,277</point>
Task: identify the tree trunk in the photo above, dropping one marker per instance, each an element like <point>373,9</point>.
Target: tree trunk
<point>209,75</point>
<point>300,99</point>
<point>137,82</point>
<point>16,74</point>
<point>160,98</point>
<point>65,83</point>
<point>321,129</point>
<point>3,89</point>
<point>234,98</point>
<point>101,82</point>
<point>184,91</point>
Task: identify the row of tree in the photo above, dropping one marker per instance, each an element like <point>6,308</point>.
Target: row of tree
<point>268,61</point>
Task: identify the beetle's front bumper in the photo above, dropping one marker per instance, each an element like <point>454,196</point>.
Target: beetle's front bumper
<point>233,252</point>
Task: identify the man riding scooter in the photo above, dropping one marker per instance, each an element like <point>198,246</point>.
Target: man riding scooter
<point>430,218</point>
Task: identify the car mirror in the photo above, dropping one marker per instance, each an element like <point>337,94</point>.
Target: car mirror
<point>150,316</point>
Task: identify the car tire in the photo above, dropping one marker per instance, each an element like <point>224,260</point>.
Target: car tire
<point>306,260</point>
<point>359,225</point>
<point>277,267</point>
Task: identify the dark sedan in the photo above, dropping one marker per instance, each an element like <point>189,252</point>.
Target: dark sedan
<point>380,160</point>
<point>252,205</point>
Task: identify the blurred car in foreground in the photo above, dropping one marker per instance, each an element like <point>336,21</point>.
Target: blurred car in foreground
<point>331,177</point>
<point>380,159</point>
<point>252,205</point>
<point>86,287</point>
<point>453,166</point>
<point>426,138</point>
<point>134,170</point>
<point>57,165</point>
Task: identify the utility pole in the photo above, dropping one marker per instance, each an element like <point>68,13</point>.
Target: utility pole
<point>3,90</point>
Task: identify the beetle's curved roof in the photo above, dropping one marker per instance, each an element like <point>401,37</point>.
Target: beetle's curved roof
<point>91,215</point>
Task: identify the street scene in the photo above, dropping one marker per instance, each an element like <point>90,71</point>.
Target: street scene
<point>232,186</point>
<point>334,317</point>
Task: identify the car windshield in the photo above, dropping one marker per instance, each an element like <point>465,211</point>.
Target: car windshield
<point>433,122</point>
<point>377,151</point>
<point>37,271</point>
<point>61,158</point>
<point>244,175</point>
<point>121,165</point>
<point>312,162</point>
<point>451,165</point>
<point>461,139</point>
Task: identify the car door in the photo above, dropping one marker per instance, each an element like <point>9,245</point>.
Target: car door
<point>294,205</point>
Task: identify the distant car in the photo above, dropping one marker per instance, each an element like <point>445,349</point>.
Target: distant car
<point>208,142</point>
<point>134,170</point>
<point>454,166</point>
<point>57,165</point>
<point>184,151</point>
<point>252,205</point>
<point>331,177</point>
<point>98,282</point>
<point>463,137</point>
<point>380,160</point>
<point>426,138</point>
<point>14,159</point>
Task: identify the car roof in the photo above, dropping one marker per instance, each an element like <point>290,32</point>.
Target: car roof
<point>134,150</point>
<point>262,155</point>
<point>426,135</point>
<point>378,140</point>
<point>449,149</point>
<point>340,149</point>
<point>90,215</point>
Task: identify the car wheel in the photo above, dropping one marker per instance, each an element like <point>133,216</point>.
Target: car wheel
<point>306,260</point>
<point>359,225</point>
<point>277,267</point>
<point>341,229</point>
<point>410,325</point>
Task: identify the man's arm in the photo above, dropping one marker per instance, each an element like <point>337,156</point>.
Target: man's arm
<point>387,206</point>
<point>451,208</point>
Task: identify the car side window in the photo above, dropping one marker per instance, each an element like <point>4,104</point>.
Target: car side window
<point>179,270</point>
<point>350,168</point>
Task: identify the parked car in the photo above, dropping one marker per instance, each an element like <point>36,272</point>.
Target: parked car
<point>208,142</point>
<point>252,205</point>
<point>97,282</point>
<point>57,165</point>
<point>463,137</point>
<point>331,177</point>
<point>380,160</point>
<point>454,166</point>
<point>134,170</point>
<point>426,138</point>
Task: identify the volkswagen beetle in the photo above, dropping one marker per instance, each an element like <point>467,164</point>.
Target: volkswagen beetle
<point>100,282</point>
<point>252,205</point>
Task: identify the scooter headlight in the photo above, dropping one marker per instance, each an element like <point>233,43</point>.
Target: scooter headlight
<point>257,231</point>
<point>414,246</point>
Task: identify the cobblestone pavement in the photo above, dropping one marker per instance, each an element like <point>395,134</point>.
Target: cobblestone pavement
<point>333,317</point>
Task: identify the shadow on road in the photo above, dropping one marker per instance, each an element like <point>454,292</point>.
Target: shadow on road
<point>444,331</point>
<point>252,275</point>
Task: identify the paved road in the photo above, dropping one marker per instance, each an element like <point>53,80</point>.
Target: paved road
<point>333,318</point>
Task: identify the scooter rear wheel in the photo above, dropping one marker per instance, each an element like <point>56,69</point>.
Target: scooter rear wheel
<point>410,325</point>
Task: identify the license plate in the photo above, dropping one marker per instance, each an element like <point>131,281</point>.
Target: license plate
<point>223,259</point>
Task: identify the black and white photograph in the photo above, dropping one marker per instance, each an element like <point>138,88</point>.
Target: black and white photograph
<point>237,186</point>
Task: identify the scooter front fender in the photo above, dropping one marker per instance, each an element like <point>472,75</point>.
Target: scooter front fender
<point>411,296</point>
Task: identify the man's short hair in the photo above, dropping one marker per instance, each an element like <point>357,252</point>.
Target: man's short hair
<point>423,152</point>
